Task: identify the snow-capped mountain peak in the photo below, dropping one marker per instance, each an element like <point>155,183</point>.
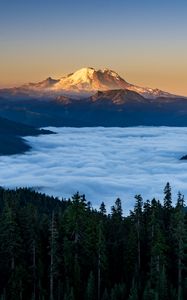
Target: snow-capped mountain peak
<point>86,81</point>
<point>111,73</point>
<point>91,80</point>
<point>82,75</point>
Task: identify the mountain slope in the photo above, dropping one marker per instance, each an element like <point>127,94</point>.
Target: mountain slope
<point>11,133</point>
<point>105,108</point>
<point>8,127</point>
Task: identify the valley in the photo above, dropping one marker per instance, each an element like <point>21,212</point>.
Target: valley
<point>103,163</point>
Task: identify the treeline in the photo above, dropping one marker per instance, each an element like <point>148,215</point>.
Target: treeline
<point>52,249</point>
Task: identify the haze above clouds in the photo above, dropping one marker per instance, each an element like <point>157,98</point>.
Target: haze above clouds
<point>103,163</point>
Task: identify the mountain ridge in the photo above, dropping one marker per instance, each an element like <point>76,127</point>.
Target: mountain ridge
<point>91,98</point>
<point>12,136</point>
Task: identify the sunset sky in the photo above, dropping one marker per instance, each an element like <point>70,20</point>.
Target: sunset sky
<point>144,41</point>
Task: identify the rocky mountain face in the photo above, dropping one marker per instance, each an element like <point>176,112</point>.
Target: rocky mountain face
<point>118,97</point>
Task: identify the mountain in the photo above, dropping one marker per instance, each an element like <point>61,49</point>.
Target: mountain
<point>45,84</point>
<point>9,127</point>
<point>88,80</point>
<point>91,97</point>
<point>84,82</point>
<point>11,134</point>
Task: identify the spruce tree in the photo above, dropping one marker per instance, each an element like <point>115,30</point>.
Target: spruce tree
<point>90,289</point>
<point>180,236</point>
<point>102,208</point>
<point>101,257</point>
<point>167,197</point>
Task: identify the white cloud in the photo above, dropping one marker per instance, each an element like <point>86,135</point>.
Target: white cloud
<point>103,163</point>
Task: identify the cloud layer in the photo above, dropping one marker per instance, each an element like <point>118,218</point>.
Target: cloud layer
<point>103,163</point>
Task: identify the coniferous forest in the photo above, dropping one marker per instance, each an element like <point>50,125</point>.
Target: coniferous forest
<point>55,249</point>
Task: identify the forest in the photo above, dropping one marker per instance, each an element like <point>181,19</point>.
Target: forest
<point>53,249</point>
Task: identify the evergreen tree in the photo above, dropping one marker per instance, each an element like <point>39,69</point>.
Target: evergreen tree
<point>53,254</point>
<point>180,236</point>
<point>90,289</point>
<point>69,295</point>
<point>102,208</point>
<point>157,246</point>
<point>148,293</point>
<point>117,211</point>
<point>10,251</point>
<point>51,249</point>
<point>167,196</point>
<point>133,292</point>
<point>105,295</point>
<point>163,287</point>
<point>138,224</point>
<point>118,292</point>
<point>101,257</point>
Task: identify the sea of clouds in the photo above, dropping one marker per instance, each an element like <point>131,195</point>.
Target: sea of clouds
<point>102,163</point>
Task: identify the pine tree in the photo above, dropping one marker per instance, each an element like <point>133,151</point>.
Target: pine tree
<point>157,249</point>
<point>133,292</point>
<point>163,286</point>
<point>118,292</point>
<point>102,208</point>
<point>148,293</point>
<point>180,236</point>
<point>69,295</point>
<point>117,211</point>
<point>100,257</point>
<point>90,289</point>
<point>75,221</point>
<point>53,252</point>
<point>138,223</point>
<point>167,197</point>
<point>10,249</point>
<point>105,295</point>
<point>91,255</point>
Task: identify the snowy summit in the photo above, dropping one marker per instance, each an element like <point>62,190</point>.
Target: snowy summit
<point>85,81</point>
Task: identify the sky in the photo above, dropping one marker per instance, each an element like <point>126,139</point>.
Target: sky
<point>144,41</point>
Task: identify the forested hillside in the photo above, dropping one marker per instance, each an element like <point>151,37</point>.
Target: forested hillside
<point>55,249</point>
